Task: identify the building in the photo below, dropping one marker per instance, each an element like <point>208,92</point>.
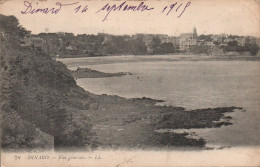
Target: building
<point>163,38</point>
<point>188,39</point>
<point>210,43</point>
<point>228,40</point>
<point>241,41</point>
<point>217,38</point>
<point>148,38</point>
<point>32,41</point>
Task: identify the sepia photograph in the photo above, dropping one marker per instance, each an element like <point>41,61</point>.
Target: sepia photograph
<point>130,83</point>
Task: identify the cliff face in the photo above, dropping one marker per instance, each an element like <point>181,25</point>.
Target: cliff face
<point>38,93</point>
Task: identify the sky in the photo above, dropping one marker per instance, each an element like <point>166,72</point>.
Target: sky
<point>238,17</point>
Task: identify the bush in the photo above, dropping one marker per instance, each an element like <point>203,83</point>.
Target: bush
<point>38,92</point>
<point>200,49</point>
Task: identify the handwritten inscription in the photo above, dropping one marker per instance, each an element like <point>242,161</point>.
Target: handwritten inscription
<point>126,161</point>
<point>34,8</point>
<point>55,10</point>
<point>141,7</point>
<point>178,7</point>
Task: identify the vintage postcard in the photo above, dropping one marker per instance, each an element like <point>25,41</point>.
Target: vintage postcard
<point>130,83</point>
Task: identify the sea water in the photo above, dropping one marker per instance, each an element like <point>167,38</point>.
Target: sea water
<point>190,83</point>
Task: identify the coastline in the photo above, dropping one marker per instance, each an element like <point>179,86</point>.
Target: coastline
<point>227,54</point>
<point>144,58</point>
<point>57,106</point>
<point>134,123</point>
<point>146,124</point>
<point>89,73</point>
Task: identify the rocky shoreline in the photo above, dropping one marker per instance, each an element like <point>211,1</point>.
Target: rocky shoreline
<point>134,123</point>
<point>89,73</point>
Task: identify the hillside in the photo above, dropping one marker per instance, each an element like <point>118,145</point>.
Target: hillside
<point>38,92</point>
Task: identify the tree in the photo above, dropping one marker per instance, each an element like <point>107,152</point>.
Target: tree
<point>10,25</point>
<point>136,46</point>
<point>232,43</point>
<point>206,38</point>
<point>216,43</point>
<point>156,41</point>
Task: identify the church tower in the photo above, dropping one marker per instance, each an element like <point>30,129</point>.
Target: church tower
<point>195,32</point>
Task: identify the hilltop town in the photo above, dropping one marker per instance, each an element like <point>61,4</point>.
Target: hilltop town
<point>68,45</point>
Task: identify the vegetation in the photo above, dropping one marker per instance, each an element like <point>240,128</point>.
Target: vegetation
<point>200,49</point>
<point>162,48</point>
<point>249,47</point>
<point>206,38</point>
<point>38,92</point>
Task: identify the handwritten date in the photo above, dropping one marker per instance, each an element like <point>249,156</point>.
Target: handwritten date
<point>34,8</point>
